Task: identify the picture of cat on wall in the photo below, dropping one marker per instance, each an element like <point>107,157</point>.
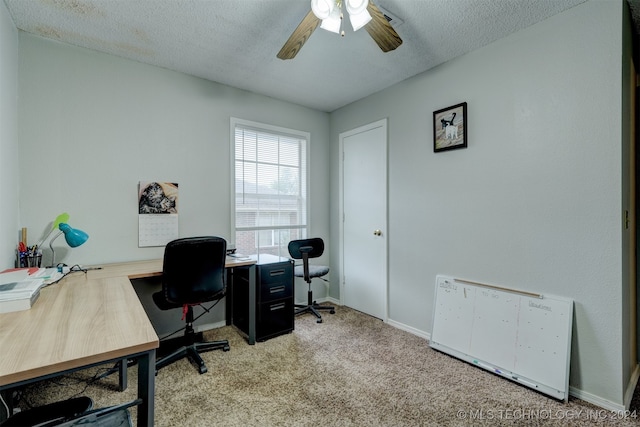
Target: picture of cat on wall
<point>158,198</point>
<point>450,128</point>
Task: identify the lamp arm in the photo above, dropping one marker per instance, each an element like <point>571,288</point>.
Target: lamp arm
<point>53,252</point>
<point>44,239</point>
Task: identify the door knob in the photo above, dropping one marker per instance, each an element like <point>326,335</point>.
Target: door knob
<point>377,233</point>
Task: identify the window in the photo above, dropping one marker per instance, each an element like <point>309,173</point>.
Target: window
<point>270,180</point>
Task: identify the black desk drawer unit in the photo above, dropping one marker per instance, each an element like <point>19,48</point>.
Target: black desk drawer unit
<point>274,297</point>
<point>275,281</point>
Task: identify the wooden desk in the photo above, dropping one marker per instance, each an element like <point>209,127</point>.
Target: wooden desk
<point>83,321</point>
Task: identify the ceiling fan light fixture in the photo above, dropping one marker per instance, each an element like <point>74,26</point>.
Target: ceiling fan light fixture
<point>359,20</point>
<point>377,24</point>
<point>334,22</point>
<point>356,7</point>
<point>323,8</point>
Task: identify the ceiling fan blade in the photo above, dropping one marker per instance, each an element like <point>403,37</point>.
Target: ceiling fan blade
<point>299,36</point>
<point>381,31</point>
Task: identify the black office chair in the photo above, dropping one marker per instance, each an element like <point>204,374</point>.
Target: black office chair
<point>305,249</point>
<point>71,413</point>
<point>52,414</point>
<point>193,273</point>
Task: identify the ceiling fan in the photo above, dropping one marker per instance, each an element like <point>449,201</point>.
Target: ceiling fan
<point>328,14</point>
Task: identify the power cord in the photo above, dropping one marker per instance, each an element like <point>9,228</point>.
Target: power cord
<point>76,268</point>
<point>6,407</point>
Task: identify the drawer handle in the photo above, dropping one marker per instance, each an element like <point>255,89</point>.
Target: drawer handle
<point>276,273</point>
<point>276,289</point>
<point>278,306</point>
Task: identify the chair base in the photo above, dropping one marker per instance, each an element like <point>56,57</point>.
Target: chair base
<point>313,307</point>
<point>189,347</point>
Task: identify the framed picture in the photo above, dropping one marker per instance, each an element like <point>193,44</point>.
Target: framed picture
<point>450,128</point>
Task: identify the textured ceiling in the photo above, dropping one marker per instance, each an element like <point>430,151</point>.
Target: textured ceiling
<point>235,42</point>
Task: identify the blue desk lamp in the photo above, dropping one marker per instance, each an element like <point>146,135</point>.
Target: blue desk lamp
<point>73,236</point>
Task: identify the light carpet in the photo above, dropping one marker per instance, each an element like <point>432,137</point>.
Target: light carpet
<point>350,370</point>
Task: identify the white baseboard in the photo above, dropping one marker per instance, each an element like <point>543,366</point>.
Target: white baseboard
<point>409,329</point>
<point>330,300</point>
<point>596,400</point>
<point>631,388</point>
<point>607,404</point>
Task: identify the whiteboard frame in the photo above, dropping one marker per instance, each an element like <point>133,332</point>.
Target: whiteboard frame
<point>490,365</point>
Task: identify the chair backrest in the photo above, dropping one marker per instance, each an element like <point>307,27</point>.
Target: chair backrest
<point>304,249</point>
<point>314,247</point>
<point>194,270</point>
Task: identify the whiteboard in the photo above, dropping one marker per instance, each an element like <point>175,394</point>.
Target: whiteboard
<point>521,336</point>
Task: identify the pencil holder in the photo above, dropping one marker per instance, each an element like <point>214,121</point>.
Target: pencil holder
<point>22,259</point>
<point>34,260</point>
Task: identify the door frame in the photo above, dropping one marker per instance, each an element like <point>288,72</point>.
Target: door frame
<point>383,124</point>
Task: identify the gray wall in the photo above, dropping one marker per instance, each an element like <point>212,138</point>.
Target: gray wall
<point>534,202</point>
<point>93,125</point>
<point>9,214</point>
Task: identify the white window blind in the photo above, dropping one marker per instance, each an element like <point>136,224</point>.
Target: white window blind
<point>270,179</point>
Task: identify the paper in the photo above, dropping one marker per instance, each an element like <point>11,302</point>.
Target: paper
<point>14,276</point>
<point>157,230</point>
<point>157,213</point>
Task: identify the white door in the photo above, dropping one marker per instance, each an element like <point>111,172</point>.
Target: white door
<point>364,213</point>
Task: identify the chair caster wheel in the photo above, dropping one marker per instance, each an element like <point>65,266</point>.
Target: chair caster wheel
<point>226,348</point>
<point>332,312</point>
<point>319,321</point>
<point>202,369</point>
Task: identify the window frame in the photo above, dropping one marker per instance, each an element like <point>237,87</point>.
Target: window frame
<point>281,131</point>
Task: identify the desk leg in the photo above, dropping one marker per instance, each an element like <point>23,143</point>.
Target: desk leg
<point>146,388</point>
<point>123,364</point>
<point>229,297</point>
<point>252,304</point>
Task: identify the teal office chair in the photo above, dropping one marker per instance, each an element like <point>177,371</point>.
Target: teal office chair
<point>305,249</point>
<point>193,273</point>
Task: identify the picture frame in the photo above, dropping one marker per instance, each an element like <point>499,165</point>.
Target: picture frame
<point>450,128</point>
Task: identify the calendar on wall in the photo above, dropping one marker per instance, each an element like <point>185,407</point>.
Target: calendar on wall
<point>157,213</point>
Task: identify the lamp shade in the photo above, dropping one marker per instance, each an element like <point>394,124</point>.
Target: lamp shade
<point>333,22</point>
<point>359,20</point>
<point>322,8</point>
<point>73,236</point>
<point>357,6</point>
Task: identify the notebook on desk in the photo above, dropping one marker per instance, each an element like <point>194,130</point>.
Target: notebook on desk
<point>16,296</point>
<point>13,275</point>
<point>20,288</point>
<point>23,302</point>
